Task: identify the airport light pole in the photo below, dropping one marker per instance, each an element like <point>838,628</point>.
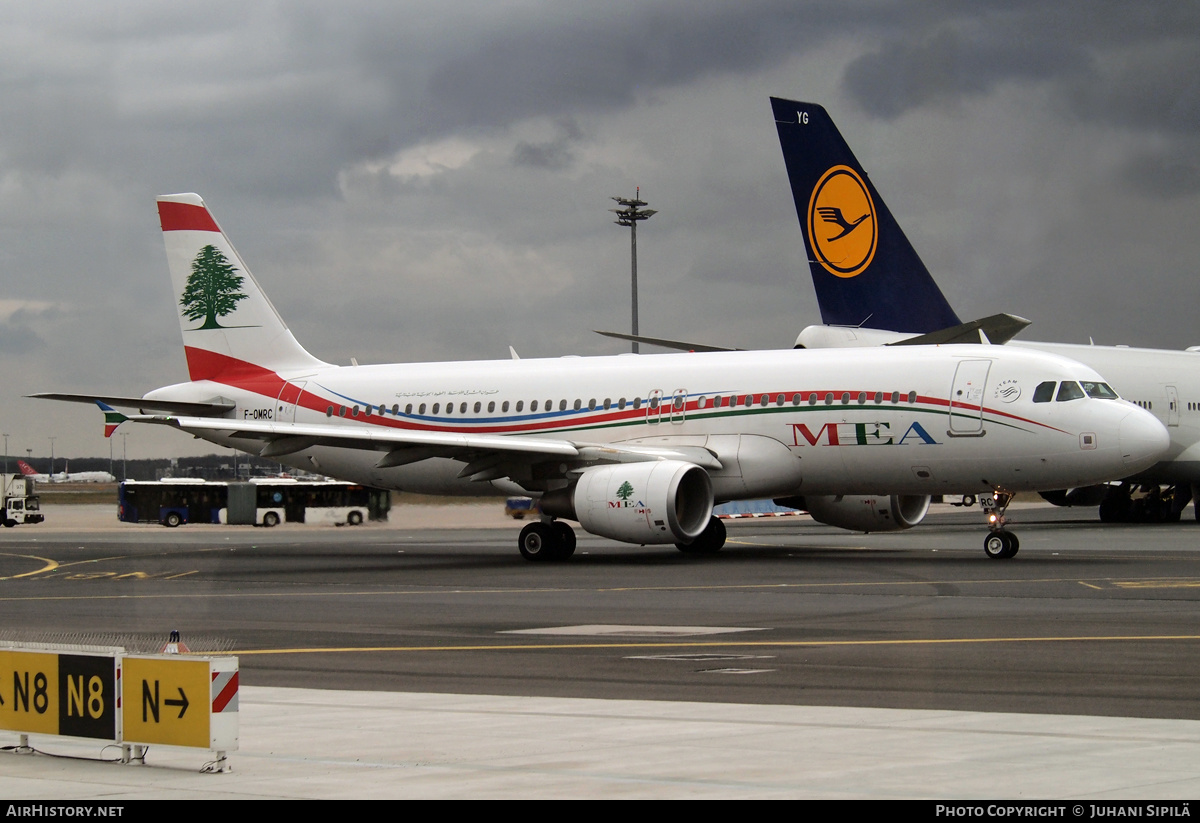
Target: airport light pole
<point>629,216</point>
<point>5,436</point>
<point>51,472</point>
<point>124,455</point>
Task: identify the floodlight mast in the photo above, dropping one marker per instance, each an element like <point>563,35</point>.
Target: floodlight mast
<point>629,216</point>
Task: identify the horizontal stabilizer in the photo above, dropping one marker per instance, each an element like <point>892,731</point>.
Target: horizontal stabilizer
<point>998,329</point>
<point>212,408</point>
<point>679,345</point>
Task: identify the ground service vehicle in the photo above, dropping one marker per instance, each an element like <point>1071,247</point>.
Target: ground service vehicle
<point>261,502</point>
<point>20,502</point>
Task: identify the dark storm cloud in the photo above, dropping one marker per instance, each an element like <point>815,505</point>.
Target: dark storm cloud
<point>947,65</point>
<point>554,154</point>
<point>1116,61</point>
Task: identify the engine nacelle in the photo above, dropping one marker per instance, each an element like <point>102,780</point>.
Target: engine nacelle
<point>667,501</point>
<point>868,513</point>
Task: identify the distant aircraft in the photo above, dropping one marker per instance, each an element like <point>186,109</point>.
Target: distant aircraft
<point>636,449</point>
<point>892,297</point>
<point>66,475</point>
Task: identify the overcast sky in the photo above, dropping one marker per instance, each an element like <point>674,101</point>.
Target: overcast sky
<point>430,181</point>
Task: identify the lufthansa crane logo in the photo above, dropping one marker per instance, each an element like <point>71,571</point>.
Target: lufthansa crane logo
<point>842,225</point>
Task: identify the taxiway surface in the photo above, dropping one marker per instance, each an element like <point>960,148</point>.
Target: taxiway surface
<point>1088,621</point>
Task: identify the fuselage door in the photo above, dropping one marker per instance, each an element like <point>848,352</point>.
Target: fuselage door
<point>1172,406</point>
<point>289,398</point>
<point>654,403</point>
<point>966,397</point>
<point>678,406</point>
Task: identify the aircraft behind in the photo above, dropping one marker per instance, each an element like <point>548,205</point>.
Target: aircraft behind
<point>635,449</point>
<point>65,476</point>
<point>874,289</point>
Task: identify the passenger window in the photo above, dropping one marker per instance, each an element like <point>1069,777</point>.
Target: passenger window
<point>504,407</point>
<point>436,406</point>
<point>1069,390</point>
<point>491,406</point>
<point>521,405</point>
<point>562,405</point>
<point>478,406</point>
<point>912,397</point>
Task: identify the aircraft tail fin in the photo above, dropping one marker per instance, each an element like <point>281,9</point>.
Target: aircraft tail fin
<point>229,326</point>
<point>863,267</point>
<point>25,468</point>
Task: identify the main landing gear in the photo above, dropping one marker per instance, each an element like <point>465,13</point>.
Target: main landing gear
<point>543,540</point>
<point>710,540</point>
<point>1000,543</point>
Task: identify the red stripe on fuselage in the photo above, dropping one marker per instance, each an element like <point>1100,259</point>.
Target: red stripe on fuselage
<point>185,217</point>
<point>219,368</point>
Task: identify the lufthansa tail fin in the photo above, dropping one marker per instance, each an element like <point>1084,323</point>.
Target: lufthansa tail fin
<point>865,271</point>
<point>229,326</point>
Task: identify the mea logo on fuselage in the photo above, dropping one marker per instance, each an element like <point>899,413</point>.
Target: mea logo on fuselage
<point>859,434</point>
<point>842,226</point>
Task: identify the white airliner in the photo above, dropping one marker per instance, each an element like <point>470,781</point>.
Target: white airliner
<point>65,476</point>
<point>893,293</point>
<point>636,449</point>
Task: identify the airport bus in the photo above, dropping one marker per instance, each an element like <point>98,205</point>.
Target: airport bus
<point>260,502</point>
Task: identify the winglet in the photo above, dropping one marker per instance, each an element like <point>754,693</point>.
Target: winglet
<point>112,418</point>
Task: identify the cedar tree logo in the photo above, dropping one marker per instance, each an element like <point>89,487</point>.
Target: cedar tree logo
<point>842,227</point>
<point>212,289</point>
<point>625,492</point>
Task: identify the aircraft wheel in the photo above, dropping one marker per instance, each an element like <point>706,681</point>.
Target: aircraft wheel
<point>1000,544</point>
<point>354,518</point>
<point>537,541</point>
<point>270,519</point>
<point>173,519</point>
<point>710,540</point>
<point>968,501</point>
<point>565,540</point>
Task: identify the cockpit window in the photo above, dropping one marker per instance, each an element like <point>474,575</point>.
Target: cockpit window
<point>1044,393</point>
<point>1100,390</point>
<point>1069,390</point>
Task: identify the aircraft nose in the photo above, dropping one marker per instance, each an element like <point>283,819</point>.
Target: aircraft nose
<point>1143,439</point>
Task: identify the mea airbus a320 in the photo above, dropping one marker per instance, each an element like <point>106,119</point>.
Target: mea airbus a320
<point>633,448</point>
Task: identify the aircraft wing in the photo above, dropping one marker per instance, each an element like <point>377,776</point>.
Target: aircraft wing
<point>681,345</point>
<point>213,408</point>
<point>997,329</point>
<point>488,456</point>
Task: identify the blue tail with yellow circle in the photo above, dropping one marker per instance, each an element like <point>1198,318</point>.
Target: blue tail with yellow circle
<point>865,271</point>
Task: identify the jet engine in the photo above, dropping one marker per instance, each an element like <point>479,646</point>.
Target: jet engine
<point>667,501</point>
<point>866,513</point>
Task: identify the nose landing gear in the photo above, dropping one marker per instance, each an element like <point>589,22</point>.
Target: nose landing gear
<point>1000,543</point>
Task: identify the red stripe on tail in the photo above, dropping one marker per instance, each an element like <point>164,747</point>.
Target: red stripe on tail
<point>185,217</point>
